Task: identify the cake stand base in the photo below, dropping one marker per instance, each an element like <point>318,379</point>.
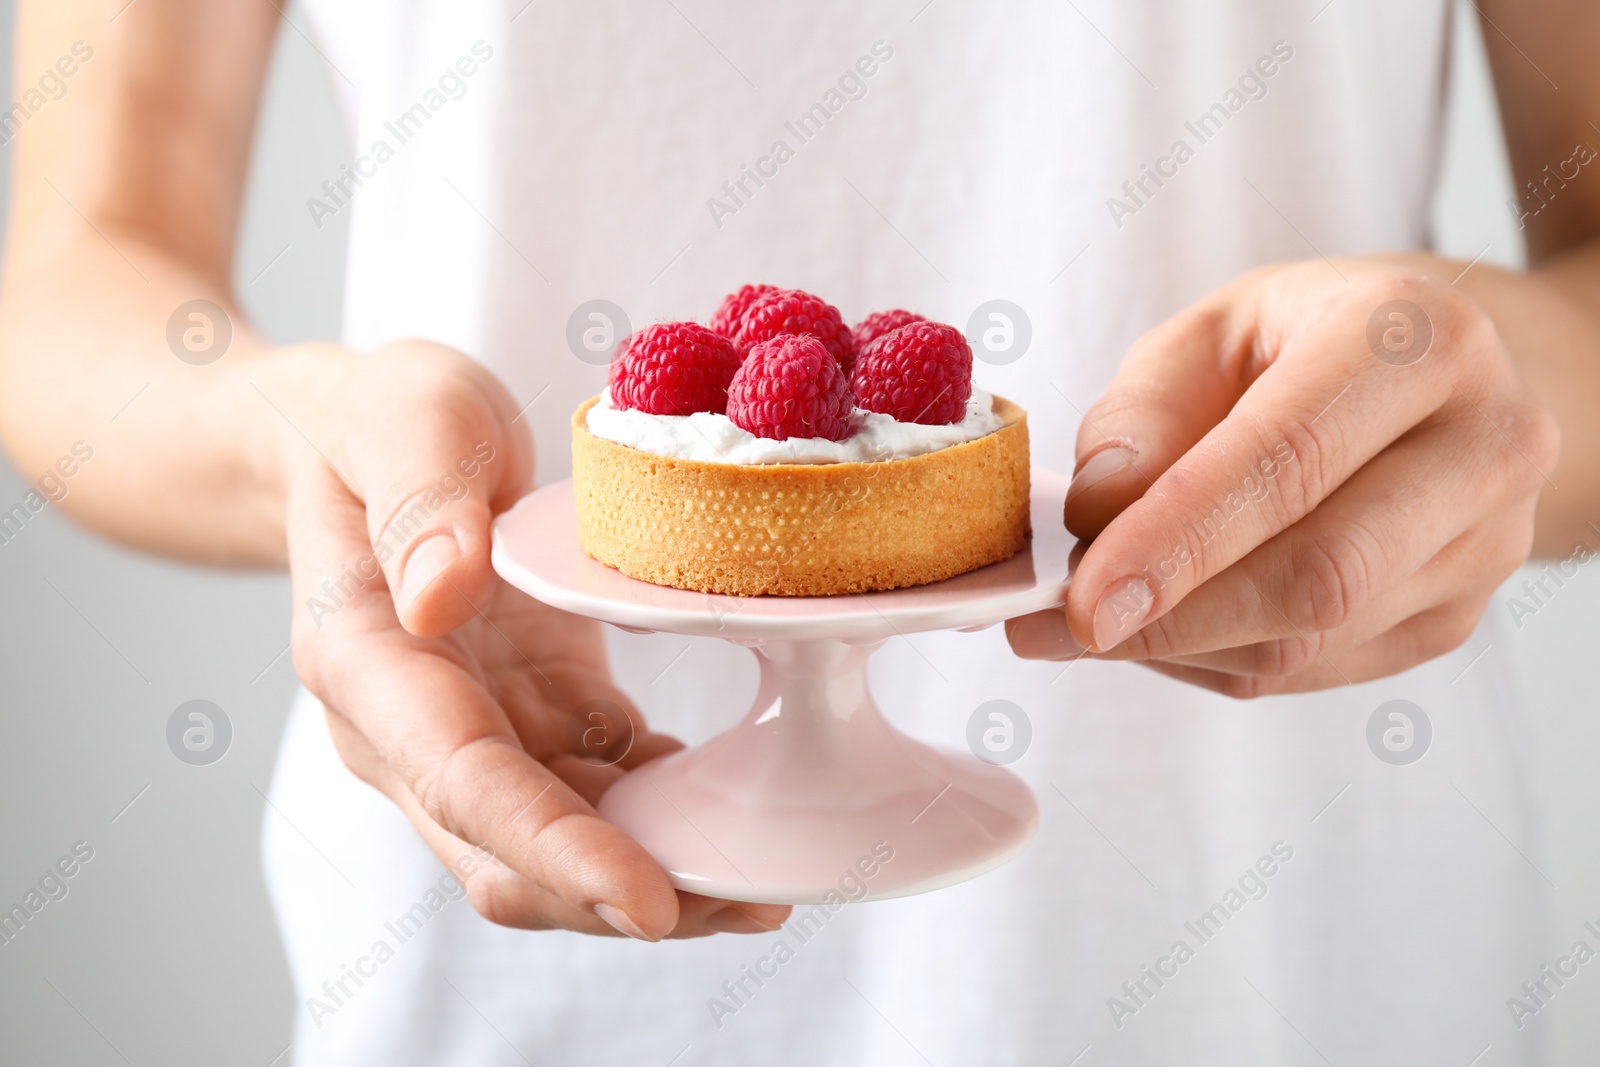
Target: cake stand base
<point>814,792</point>
<point>814,797</point>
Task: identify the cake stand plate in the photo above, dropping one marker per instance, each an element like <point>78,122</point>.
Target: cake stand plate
<point>814,797</point>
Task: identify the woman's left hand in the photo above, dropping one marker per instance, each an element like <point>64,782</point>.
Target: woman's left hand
<point>1316,476</point>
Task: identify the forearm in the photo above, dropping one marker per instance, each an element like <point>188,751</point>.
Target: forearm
<point>186,460</point>
<point>1549,319</point>
<point>124,200</point>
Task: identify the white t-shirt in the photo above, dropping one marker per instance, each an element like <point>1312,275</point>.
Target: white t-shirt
<point>936,156</point>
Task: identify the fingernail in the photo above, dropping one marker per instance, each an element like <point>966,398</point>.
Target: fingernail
<point>425,562</point>
<point>623,923</point>
<point>1100,466</point>
<point>1043,635</point>
<point>735,921</point>
<point>1121,611</point>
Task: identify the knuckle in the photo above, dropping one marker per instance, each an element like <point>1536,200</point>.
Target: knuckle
<point>1458,310</point>
<point>1511,551</point>
<point>1534,432</point>
<point>1116,407</point>
<point>432,796</point>
<point>1450,311</point>
<point>1328,579</point>
<point>1202,533</point>
<point>436,786</point>
<point>1283,656</point>
<point>354,750</point>
<point>1156,639</point>
<point>1468,326</point>
<point>1195,537</point>
<point>306,651</point>
<point>326,615</point>
<point>1487,556</point>
<point>490,899</point>
<point>1295,492</point>
<point>416,506</point>
<point>421,362</point>
<point>320,650</point>
<point>1463,621</point>
<point>1242,686</point>
<point>1454,626</point>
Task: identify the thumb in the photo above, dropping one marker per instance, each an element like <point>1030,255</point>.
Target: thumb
<point>1176,383</point>
<point>434,455</point>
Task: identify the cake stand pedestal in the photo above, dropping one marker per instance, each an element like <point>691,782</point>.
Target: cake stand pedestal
<point>814,792</point>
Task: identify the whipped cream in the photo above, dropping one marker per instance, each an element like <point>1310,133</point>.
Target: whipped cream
<point>713,438</point>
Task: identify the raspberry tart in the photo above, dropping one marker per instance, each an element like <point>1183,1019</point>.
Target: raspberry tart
<point>781,452</point>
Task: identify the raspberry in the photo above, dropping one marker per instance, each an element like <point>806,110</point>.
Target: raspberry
<point>731,311</point>
<point>879,323</point>
<point>792,311</point>
<point>791,386</point>
<point>921,372</point>
<point>673,368</point>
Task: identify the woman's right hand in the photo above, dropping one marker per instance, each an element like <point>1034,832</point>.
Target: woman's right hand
<point>468,704</point>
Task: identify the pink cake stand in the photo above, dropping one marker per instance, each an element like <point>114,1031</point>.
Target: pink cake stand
<point>814,788</point>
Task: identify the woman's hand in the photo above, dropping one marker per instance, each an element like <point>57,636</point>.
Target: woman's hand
<point>490,719</point>
<point>1316,476</point>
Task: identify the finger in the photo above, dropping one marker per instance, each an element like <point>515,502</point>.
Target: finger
<point>566,702</point>
<point>505,896</point>
<point>498,891</point>
<point>588,779</point>
<point>711,915</point>
<point>1489,555</point>
<point>1043,635</point>
<point>481,786</point>
<point>441,742</point>
<point>434,454</point>
<point>698,916</point>
<point>590,776</point>
<point>1374,534</point>
<point>1179,369</point>
<point>1322,407</point>
<point>1422,637</point>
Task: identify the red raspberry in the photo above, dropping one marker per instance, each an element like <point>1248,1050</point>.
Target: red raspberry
<point>731,311</point>
<point>879,323</point>
<point>921,372</point>
<point>791,386</point>
<point>792,311</point>
<point>673,368</point>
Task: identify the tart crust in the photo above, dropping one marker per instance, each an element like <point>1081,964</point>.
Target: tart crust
<point>791,529</point>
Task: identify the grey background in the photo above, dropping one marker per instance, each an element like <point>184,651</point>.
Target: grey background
<point>164,950</point>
